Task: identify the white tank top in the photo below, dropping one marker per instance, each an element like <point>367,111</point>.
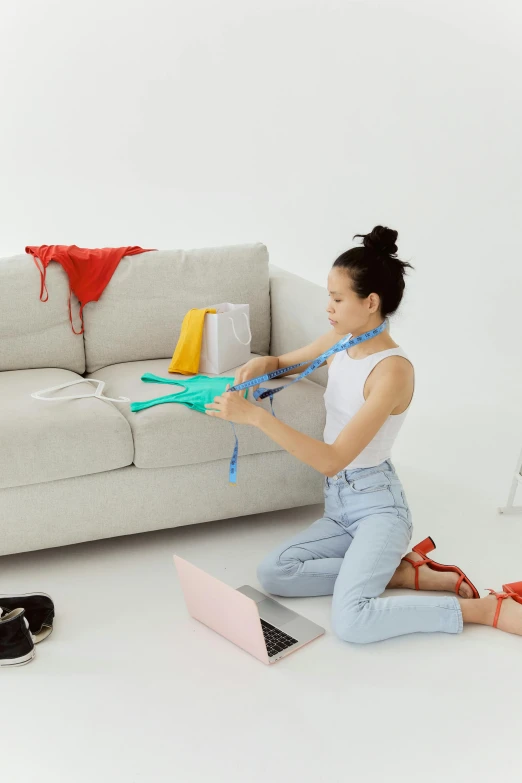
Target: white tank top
<point>343,398</point>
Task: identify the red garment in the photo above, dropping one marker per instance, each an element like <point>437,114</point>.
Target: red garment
<point>89,270</point>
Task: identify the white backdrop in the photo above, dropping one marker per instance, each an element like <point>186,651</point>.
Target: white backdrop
<point>297,124</point>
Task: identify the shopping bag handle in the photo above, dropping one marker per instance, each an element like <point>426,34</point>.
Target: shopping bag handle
<point>248,327</point>
<point>98,393</point>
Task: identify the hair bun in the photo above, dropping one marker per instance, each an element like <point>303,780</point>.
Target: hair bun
<point>380,240</point>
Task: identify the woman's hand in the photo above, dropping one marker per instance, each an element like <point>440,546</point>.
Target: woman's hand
<point>232,406</point>
<point>261,365</point>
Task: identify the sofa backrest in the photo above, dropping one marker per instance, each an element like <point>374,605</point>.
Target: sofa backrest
<point>140,312</point>
<point>35,334</point>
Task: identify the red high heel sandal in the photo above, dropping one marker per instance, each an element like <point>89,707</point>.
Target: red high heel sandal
<point>513,590</point>
<point>427,546</point>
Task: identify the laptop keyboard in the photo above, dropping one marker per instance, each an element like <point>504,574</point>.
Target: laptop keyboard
<point>275,639</point>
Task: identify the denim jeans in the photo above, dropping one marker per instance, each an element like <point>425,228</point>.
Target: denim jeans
<point>352,553</point>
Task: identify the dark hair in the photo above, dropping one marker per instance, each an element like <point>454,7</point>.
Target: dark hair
<point>375,268</point>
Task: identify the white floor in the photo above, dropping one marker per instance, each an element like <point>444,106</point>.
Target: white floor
<point>129,688</point>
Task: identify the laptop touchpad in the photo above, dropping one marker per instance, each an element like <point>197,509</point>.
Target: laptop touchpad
<point>274,612</point>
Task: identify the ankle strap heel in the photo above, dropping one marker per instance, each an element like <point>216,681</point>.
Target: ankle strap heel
<point>428,545</point>
<point>512,590</point>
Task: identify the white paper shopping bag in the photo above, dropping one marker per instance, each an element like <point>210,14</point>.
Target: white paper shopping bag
<point>226,338</point>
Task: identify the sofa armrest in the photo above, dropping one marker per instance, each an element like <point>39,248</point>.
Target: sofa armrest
<point>298,315</point>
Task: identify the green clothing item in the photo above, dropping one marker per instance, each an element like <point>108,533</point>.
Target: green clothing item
<point>199,389</point>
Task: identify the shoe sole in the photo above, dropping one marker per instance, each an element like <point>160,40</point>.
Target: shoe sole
<point>27,595</point>
<point>18,661</point>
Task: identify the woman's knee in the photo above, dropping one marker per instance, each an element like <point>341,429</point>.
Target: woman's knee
<point>273,576</point>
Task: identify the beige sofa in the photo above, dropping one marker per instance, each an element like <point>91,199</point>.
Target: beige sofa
<point>84,469</point>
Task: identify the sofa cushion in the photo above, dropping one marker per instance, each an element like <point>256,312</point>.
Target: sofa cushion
<point>36,334</point>
<point>171,434</point>
<point>140,313</point>
<point>44,440</point>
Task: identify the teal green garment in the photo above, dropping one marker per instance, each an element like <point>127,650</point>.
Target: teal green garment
<point>199,389</point>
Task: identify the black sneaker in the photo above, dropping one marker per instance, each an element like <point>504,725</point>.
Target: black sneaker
<point>16,641</point>
<point>39,610</point>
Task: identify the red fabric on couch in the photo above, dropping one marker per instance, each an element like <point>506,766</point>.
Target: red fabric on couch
<point>89,269</point>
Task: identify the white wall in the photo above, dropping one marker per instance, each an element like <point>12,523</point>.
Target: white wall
<point>297,124</point>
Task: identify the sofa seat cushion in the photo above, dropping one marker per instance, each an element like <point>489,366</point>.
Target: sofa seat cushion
<point>170,434</point>
<point>44,440</point>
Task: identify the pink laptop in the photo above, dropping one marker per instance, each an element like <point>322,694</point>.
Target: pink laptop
<point>248,618</point>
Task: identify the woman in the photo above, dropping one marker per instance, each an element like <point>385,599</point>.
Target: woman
<point>355,551</point>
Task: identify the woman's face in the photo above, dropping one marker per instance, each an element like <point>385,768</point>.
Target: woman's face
<point>348,313</point>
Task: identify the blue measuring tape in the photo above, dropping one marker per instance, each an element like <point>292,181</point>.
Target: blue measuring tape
<point>260,394</point>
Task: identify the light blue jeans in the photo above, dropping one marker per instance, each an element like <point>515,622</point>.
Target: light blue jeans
<point>352,553</point>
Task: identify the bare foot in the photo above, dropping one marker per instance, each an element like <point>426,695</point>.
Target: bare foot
<point>429,579</point>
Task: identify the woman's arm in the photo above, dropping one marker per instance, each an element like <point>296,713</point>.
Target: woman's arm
<point>314,452</point>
